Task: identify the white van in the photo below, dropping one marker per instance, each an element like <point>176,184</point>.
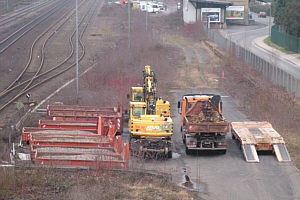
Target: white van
<point>152,7</point>
<point>143,5</point>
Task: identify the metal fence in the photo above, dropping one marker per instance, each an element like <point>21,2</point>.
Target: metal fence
<point>285,40</point>
<point>268,68</point>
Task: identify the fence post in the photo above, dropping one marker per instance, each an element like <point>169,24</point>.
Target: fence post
<point>297,86</point>
<point>283,79</point>
<point>292,85</point>
<point>287,82</point>
<point>273,73</point>
<point>277,77</point>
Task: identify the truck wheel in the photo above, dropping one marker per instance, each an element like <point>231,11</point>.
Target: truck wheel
<point>170,154</point>
<point>223,152</point>
<point>183,140</point>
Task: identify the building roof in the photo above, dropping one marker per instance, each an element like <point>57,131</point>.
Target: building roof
<point>212,2</point>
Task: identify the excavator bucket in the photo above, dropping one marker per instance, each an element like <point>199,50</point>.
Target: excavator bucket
<point>250,153</point>
<point>281,153</point>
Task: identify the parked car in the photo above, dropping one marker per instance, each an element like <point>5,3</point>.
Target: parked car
<point>152,8</point>
<point>262,14</point>
<point>213,18</point>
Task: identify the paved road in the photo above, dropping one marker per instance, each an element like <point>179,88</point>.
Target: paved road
<point>245,36</point>
<point>224,176</point>
<point>227,176</point>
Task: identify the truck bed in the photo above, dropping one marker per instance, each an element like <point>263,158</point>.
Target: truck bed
<point>198,126</point>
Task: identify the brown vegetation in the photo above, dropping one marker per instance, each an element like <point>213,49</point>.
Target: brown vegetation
<point>49,183</point>
<point>263,100</point>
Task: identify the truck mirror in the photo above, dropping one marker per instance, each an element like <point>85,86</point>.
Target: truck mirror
<point>179,106</point>
<point>221,106</point>
<point>128,96</point>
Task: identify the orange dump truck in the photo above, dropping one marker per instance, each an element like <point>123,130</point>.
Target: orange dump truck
<point>259,136</point>
<point>203,126</point>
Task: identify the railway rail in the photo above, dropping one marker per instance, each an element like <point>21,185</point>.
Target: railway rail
<point>56,71</point>
<point>11,39</point>
<point>22,12</point>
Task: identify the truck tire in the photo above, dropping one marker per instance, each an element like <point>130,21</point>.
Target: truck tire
<point>223,151</point>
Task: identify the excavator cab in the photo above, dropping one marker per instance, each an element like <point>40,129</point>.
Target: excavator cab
<point>137,94</point>
<point>137,109</point>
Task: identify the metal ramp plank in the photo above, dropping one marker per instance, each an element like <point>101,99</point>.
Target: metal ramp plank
<point>281,153</point>
<point>250,153</point>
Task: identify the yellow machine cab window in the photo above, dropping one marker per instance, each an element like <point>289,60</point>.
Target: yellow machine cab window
<point>138,111</point>
<point>138,96</point>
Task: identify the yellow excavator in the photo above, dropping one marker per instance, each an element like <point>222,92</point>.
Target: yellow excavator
<point>150,124</point>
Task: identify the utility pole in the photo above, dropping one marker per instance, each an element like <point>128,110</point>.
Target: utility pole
<point>270,20</point>
<point>129,21</point>
<point>76,41</point>
<point>147,17</point>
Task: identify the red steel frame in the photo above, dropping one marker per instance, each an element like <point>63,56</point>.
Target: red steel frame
<point>86,113</point>
<point>82,125</point>
<point>121,161</point>
<point>103,127</point>
<point>63,143</point>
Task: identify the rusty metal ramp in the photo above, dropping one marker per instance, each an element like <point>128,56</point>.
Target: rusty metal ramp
<point>250,153</point>
<point>281,153</point>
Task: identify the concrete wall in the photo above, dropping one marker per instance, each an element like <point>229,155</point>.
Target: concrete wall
<point>189,12</point>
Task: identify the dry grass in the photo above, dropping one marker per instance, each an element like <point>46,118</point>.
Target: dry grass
<point>264,101</point>
<point>47,183</point>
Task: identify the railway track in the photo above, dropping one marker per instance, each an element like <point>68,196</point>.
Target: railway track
<point>57,25</point>
<point>22,12</point>
<point>39,78</point>
<point>12,38</point>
